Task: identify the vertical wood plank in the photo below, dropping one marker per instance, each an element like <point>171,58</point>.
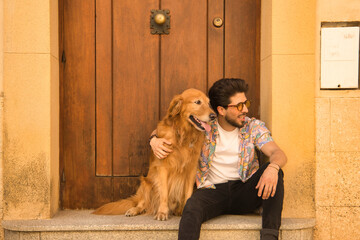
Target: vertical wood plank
<point>136,84</point>
<point>215,42</point>
<point>80,187</point>
<point>256,91</point>
<point>61,95</point>
<point>184,50</point>
<point>240,46</point>
<point>103,88</point>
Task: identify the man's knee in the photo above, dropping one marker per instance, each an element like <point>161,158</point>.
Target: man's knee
<point>192,206</point>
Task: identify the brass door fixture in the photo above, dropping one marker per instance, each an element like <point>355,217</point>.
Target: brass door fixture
<point>160,21</point>
<point>218,22</point>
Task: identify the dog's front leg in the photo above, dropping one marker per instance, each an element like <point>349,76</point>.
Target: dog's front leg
<point>163,210</point>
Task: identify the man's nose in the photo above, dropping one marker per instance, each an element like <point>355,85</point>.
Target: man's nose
<point>245,109</point>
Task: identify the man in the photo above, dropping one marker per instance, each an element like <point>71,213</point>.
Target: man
<point>229,178</point>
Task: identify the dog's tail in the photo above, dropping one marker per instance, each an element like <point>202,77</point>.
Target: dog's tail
<point>121,206</point>
<point>116,208</point>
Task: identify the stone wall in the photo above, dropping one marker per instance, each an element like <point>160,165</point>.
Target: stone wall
<point>1,109</point>
<point>31,109</point>
<point>287,95</point>
<point>337,143</point>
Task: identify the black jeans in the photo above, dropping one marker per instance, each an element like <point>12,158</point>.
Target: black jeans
<point>233,197</point>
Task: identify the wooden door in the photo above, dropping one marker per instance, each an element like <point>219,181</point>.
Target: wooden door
<point>117,80</point>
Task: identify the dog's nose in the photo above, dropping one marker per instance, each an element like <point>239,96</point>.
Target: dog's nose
<point>212,116</point>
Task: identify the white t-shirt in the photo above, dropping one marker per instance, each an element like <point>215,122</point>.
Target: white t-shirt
<point>224,166</point>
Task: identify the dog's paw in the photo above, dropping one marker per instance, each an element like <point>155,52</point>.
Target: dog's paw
<point>132,212</point>
<point>160,216</point>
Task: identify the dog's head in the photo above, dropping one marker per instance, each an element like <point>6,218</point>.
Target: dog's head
<point>192,105</point>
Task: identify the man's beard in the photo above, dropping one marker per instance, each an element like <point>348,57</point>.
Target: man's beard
<point>233,122</point>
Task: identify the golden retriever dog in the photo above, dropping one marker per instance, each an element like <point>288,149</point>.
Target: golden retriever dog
<point>170,181</point>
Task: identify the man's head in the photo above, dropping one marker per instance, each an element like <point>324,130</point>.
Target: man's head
<point>225,95</point>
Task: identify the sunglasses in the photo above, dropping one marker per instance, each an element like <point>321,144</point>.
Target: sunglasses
<point>240,105</point>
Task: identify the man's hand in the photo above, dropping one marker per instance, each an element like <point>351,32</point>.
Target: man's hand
<point>159,148</point>
<point>267,183</point>
<point>268,180</point>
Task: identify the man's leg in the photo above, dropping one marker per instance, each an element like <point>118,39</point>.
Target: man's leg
<point>244,200</point>
<point>203,205</point>
<point>272,208</point>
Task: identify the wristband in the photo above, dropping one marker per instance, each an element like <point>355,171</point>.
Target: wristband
<point>277,168</point>
<point>151,137</point>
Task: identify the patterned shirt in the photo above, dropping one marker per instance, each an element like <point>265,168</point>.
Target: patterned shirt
<point>253,133</point>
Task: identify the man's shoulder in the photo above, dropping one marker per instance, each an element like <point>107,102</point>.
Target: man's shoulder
<point>254,127</point>
<point>253,122</point>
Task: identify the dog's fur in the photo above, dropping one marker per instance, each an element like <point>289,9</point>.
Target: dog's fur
<point>170,181</point>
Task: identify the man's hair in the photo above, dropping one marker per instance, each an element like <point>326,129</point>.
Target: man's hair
<point>223,89</point>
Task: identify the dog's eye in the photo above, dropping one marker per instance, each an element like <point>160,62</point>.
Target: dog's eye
<point>197,102</point>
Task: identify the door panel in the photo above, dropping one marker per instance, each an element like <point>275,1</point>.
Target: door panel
<point>135,85</point>
<point>78,110</point>
<point>184,50</point>
<point>241,46</point>
<point>118,80</point>
<point>215,42</point>
<point>104,96</point>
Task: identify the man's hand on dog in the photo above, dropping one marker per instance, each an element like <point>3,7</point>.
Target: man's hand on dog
<point>160,148</point>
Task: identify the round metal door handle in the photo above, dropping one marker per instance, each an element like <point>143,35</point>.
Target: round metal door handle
<point>218,22</point>
<point>160,18</point>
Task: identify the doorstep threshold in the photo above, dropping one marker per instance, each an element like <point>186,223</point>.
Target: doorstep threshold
<point>83,220</point>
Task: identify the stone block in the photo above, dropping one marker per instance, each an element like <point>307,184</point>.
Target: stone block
<point>54,28</point>
<point>27,130</point>
<point>337,178</point>
<point>71,224</point>
<point>299,234</point>
<point>27,96</point>
<point>109,235</point>
<point>55,135</point>
<point>293,24</point>
<point>291,235</point>
<point>266,34</point>
<point>229,235</point>
<point>345,223</point>
<point>266,91</point>
<point>323,224</point>
<point>307,234</point>
<point>322,111</point>
<point>29,236</point>
<point>345,130</point>
<point>293,104</point>
<point>27,26</point>
<point>10,235</point>
<point>337,11</point>
<point>293,129</point>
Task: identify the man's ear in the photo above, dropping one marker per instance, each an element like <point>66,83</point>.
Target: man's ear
<point>221,110</point>
<point>175,106</point>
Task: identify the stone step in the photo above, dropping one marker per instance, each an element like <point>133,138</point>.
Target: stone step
<point>79,225</point>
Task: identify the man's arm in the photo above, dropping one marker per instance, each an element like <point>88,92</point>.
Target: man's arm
<point>158,146</point>
<point>268,181</point>
<point>275,154</point>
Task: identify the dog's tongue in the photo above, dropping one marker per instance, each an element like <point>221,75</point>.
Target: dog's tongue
<point>206,126</point>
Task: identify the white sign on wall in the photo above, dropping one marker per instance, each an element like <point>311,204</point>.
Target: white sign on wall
<point>340,57</point>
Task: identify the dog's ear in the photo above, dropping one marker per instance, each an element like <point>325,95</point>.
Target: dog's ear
<point>175,106</point>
